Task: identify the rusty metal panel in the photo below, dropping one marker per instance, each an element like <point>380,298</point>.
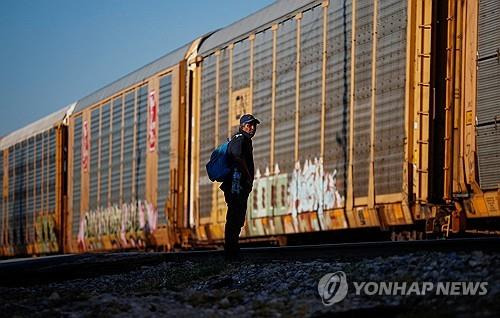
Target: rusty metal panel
<point>390,96</point>
<point>488,91</point>
<point>362,96</point>
<point>128,146</point>
<point>286,51</point>
<point>116,147</point>
<point>207,131</point>
<point>164,113</point>
<point>94,153</point>
<point>262,82</point>
<point>338,74</point>
<point>77,175</point>
<point>141,143</point>
<point>489,26</point>
<point>311,64</point>
<point>488,152</point>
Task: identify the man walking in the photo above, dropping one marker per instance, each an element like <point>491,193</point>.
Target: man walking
<point>239,184</point>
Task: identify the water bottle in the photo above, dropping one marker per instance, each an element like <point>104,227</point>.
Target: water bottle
<point>235,186</point>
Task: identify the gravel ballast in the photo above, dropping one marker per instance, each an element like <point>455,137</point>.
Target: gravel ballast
<point>213,288</point>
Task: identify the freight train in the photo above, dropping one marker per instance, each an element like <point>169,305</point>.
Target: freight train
<point>375,115</point>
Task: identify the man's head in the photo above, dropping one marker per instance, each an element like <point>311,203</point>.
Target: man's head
<point>248,123</point>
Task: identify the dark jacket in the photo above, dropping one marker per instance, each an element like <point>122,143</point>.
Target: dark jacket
<point>241,153</point>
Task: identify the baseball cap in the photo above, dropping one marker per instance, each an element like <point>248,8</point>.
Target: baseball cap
<point>248,118</point>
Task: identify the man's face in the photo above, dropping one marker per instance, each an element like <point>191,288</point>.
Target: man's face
<point>250,128</point>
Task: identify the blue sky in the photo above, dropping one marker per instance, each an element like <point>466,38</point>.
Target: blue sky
<point>54,52</point>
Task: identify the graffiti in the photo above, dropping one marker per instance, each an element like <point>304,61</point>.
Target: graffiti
<point>85,146</point>
<point>153,118</point>
<point>240,105</point>
<point>125,226</point>
<point>309,189</point>
<point>45,232</point>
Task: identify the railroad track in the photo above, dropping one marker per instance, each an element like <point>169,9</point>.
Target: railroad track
<point>30,271</point>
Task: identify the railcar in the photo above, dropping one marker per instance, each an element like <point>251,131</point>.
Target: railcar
<point>126,161</point>
<point>376,116</point>
<point>33,183</point>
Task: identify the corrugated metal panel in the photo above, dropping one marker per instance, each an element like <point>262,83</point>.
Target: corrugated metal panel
<point>52,171</point>
<point>488,152</point>
<point>164,113</point>
<point>207,131</point>
<point>338,74</point>
<point>26,187</point>
<point>488,91</point>
<point>241,65</point>
<point>94,156</point>
<point>24,191</point>
<point>489,24</point>
<point>77,178</point>
<point>2,225</point>
<point>20,192</point>
<point>261,18</point>
<point>21,188</point>
<point>262,82</point>
<point>46,167</point>
<point>11,239</point>
<point>362,93</point>
<point>141,143</point>
<point>36,127</point>
<point>311,65</point>
<point>128,146</point>
<point>39,173</point>
<point>390,96</point>
<point>116,151</point>
<point>105,151</point>
<point>488,95</point>
<point>286,51</point>
<point>15,195</point>
<point>30,200</point>
<point>223,95</point>
<point>135,77</point>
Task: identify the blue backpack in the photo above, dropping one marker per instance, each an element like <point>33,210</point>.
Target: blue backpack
<point>219,166</point>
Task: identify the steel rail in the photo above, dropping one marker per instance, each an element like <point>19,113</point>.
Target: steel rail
<point>18,272</point>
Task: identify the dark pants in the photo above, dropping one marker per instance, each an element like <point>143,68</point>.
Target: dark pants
<point>235,219</point>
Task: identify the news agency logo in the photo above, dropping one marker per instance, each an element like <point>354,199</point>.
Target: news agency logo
<point>333,288</point>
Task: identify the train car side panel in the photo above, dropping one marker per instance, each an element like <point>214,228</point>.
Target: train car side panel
<point>306,97</point>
